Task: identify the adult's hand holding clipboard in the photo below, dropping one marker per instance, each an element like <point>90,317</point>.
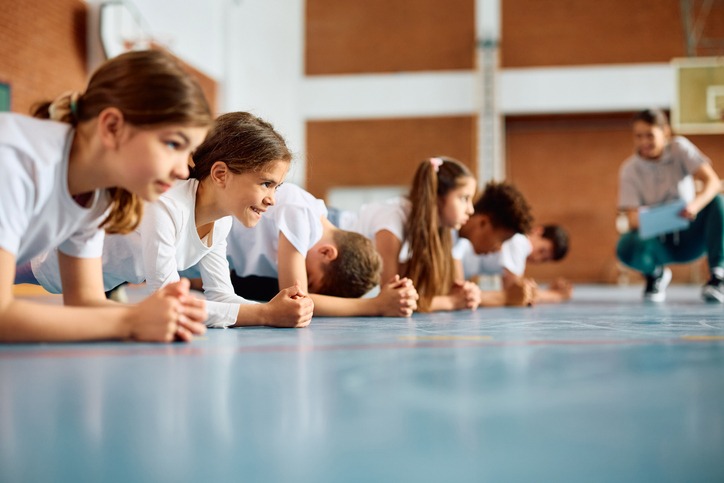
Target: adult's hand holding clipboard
<point>661,219</point>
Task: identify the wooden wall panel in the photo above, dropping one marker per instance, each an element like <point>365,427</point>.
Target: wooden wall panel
<point>366,36</point>
<point>567,166</point>
<point>576,32</point>
<point>383,152</point>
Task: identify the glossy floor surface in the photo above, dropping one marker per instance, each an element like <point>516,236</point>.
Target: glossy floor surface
<point>604,388</point>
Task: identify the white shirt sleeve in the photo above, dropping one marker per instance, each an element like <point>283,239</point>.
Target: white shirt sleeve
<point>460,246</point>
<point>16,196</point>
<point>392,218</point>
<point>628,192</point>
<point>691,156</point>
<point>159,236</point>
<point>222,303</point>
<point>300,225</point>
<point>389,215</point>
<point>87,241</point>
<point>514,254</point>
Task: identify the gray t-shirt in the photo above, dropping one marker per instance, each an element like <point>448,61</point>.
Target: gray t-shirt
<point>644,182</point>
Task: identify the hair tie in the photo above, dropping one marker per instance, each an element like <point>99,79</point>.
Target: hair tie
<point>436,163</point>
<point>74,96</point>
<point>63,106</point>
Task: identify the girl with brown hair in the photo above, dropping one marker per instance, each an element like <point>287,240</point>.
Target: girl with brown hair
<point>83,168</point>
<point>414,235</point>
<point>236,173</point>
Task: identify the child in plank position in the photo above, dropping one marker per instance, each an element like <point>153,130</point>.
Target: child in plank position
<point>236,173</point>
<point>295,241</point>
<point>544,243</point>
<point>414,234</point>
<point>66,180</point>
<point>500,212</point>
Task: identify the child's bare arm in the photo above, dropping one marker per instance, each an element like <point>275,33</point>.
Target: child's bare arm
<point>388,246</point>
<point>560,290</point>
<point>290,308</point>
<point>463,295</point>
<point>82,280</point>
<point>159,318</point>
<point>292,265</point>
<point>397,298</point>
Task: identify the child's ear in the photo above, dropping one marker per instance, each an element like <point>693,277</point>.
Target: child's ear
<point>219,173</point>
<point>328,251</point>
<point>484,220</point>
<point>110,127</point>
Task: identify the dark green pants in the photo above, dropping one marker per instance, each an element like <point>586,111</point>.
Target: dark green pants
<point>704,235</point>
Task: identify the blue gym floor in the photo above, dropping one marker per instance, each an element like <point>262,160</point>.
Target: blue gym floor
<point>603,388</point>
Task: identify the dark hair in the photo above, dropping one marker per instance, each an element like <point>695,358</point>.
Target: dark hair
<point>558,237</point>
<point>431,266</point>
<point>151,89</point>
<point>355,270</point>
<point>243,142</point>
<point>505,206</point>
<point>654,117</point>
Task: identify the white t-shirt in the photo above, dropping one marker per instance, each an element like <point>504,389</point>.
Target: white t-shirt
<point>164,243</point>
<point>643,182</point>
<point>296,213</point>
<point>512,256</point>
<point>390,215</point>
<point>37,212</point>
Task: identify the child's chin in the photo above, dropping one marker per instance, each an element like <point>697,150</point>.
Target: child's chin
<point>149,197</point>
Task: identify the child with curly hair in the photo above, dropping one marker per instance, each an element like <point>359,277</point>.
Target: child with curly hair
<point>499,213</point>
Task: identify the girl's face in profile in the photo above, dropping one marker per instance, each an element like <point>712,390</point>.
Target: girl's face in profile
<point>456,207</point>
<point>252,192</point>
<point>156,158</point>
<point>650,140</point>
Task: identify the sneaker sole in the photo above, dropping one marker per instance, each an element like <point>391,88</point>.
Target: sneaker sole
<point>661,296</point>
<point>712,295</point>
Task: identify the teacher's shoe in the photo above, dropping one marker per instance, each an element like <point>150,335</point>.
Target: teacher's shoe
<point>713,291</point>
<point>656,285</point>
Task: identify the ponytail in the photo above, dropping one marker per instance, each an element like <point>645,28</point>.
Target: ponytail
<point>150,88</point>
<point>63,109</point>
<point>431,266</point>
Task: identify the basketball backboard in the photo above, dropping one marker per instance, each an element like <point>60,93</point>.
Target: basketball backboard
<point>698,106</point>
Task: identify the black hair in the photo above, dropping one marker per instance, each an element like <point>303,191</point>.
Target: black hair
<point>559,238</point>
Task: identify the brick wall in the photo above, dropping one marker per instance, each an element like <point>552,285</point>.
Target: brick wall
<point>42,49</point>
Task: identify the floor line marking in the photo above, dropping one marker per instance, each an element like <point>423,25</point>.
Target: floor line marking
<point>702,337</point>
<point>444,337</point>
<point>412,344</point>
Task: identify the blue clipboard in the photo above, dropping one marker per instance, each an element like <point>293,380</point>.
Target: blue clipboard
<point>661,219</point>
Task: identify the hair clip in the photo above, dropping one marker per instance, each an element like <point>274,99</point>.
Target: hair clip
<point>436,163</point>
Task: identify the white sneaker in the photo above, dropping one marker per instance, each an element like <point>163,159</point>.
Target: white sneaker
<point>656,286</point>
<point>713,291</point>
